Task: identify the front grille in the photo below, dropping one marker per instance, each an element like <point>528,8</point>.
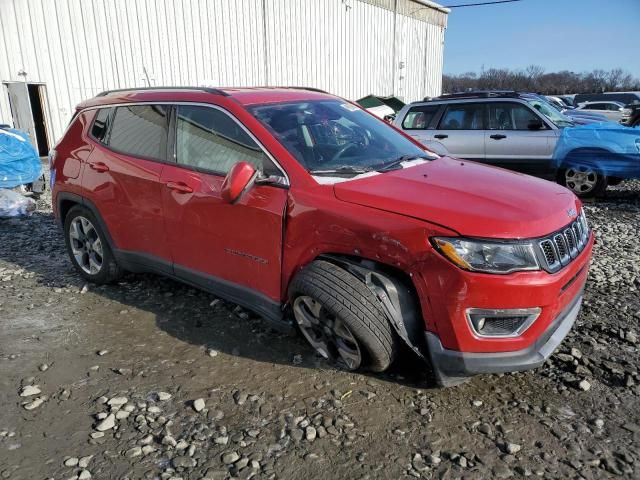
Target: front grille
<point>558,249</point>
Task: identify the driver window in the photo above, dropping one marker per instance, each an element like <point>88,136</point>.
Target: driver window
<point>209,139</point>
<point>510,116</point>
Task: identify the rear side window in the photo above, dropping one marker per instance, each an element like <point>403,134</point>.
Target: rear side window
<point>209,139</point>
<point>140,131</point>
<point>101,124</point>
<point>419,118</point>
<point>463,117</point>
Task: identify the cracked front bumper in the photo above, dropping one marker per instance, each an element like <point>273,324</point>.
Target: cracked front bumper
<point>452,367</point>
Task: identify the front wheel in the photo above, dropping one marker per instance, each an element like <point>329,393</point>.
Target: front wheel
<point>584,181</point>
<point>341,318</point>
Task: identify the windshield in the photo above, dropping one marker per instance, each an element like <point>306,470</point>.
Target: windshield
<point>550,112</point>
<point>335,137</point>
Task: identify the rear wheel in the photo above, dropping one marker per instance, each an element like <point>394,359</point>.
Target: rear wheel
<point>341,318</point>
<point>88,247</point>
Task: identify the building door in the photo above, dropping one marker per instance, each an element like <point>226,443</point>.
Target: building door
<point>29,109</point>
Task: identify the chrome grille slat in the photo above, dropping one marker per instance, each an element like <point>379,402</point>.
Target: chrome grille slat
<point>560,248</point>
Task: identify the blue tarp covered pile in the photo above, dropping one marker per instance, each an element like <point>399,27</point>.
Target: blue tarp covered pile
<point>19,162</point>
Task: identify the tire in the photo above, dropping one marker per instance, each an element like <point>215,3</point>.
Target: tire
<point>581,175</point>
<point>81,234</point>
<point>346,301</point>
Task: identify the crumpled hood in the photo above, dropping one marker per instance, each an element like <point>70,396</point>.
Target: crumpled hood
<point>472,199</point>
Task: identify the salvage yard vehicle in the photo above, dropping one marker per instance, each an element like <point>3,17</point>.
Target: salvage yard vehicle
<point>612,110</point>
<point>521,132</point>
<point>310,211</point>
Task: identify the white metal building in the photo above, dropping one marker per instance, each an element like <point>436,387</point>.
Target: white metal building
<point>55,53</point>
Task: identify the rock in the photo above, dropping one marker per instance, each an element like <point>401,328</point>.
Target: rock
<point>71,462</point>
<point>512,448</point>
<point>147,449</point>
<point>84,475</point>
<point>584,385</point>
<point>163,396</point>
<point>477,403</point>
<point>43,367</point>
<point>96,435</point>
<point>221,440</point>
<point>122,414</point>
<point>198,404</point>
<point>34,404</point>
<point>598,423</point>
<point>84,461</point>
<point>133,452</point>
<point>212,353</point>
<point>29,391</point>
<point>117,401</point>
<point>184,462</point>
<point>433,459</point>
<point>297,434</point>
<point>102,352</point>
<point>311,433</point>
<point>230,457</point>
<point>106,424</point>
<point>154,410</point>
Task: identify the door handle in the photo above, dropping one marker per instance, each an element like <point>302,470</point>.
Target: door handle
<point>179,187</point>
<point>497,136</point>
<point>99,167</point>
<point>441,135</point>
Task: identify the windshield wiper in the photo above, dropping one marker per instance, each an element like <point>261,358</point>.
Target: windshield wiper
<point>344,169</point>
<point>396,164</point>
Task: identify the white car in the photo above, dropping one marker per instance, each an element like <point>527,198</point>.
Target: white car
<point>610,109</point>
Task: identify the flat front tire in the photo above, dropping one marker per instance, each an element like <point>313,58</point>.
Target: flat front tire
<point>341,318</point>
<point>88,247</point>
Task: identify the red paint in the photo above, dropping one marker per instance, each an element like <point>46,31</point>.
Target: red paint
<point>236,181</point>
<point>270,233</point>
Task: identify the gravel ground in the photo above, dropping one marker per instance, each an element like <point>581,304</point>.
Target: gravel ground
<point>152,379</point>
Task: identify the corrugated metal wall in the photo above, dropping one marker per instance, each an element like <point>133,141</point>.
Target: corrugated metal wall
<point>81,47</point>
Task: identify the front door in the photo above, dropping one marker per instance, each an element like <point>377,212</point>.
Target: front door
<point>511,142</point>
<point>232,248</point>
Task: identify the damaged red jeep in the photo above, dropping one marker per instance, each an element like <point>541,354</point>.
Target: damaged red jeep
<point>308,210</point>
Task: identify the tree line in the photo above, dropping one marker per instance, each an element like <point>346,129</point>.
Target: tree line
<point>535,79</point>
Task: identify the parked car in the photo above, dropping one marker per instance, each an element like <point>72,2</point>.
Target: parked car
<point>622,97</point>
<point>631,115</point>
<point>560,102</point>
<point>310,211</point>
<point>518,131</point>
<point>612,110</point>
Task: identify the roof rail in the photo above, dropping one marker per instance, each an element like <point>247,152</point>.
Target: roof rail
<point>214,91</point>
<point>476,94</point>
<point>311,89</point>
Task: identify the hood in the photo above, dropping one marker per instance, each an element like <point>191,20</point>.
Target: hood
<point>472,199</point>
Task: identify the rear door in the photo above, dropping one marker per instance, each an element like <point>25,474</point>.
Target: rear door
<point>122,178</point>
<point>460,131</point>
<point>512,143</point>
<point>234,248</point>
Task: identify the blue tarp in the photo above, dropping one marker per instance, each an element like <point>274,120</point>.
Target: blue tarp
<point>19,162</point>
<point>609,147</point>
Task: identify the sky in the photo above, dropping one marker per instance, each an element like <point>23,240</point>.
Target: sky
<point>575,35</point>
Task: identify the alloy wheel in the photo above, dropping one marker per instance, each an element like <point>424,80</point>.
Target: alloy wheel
<point>86,245</point>
<point>328,334</point>
<point>581,180</point>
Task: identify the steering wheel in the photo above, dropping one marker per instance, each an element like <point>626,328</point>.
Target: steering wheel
<point>346,147</point>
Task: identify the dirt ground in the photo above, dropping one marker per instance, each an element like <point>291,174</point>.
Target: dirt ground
<point>116,374</point>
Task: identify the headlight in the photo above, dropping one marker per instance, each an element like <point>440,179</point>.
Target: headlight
<point>626,112</point>
<point>487,256</point>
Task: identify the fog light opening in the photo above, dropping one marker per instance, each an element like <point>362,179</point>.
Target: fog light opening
<point>501,322</point>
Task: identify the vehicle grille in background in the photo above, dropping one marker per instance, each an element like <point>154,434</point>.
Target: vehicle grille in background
<point>559,249</point>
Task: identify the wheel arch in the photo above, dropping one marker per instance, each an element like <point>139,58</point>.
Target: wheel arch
<point>65,201</point>
<point>396,292</point>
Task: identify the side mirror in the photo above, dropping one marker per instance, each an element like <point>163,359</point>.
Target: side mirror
<point>240,177</point>
<point>535,125</point>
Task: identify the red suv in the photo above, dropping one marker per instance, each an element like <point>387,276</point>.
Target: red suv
<point>308,210</point>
